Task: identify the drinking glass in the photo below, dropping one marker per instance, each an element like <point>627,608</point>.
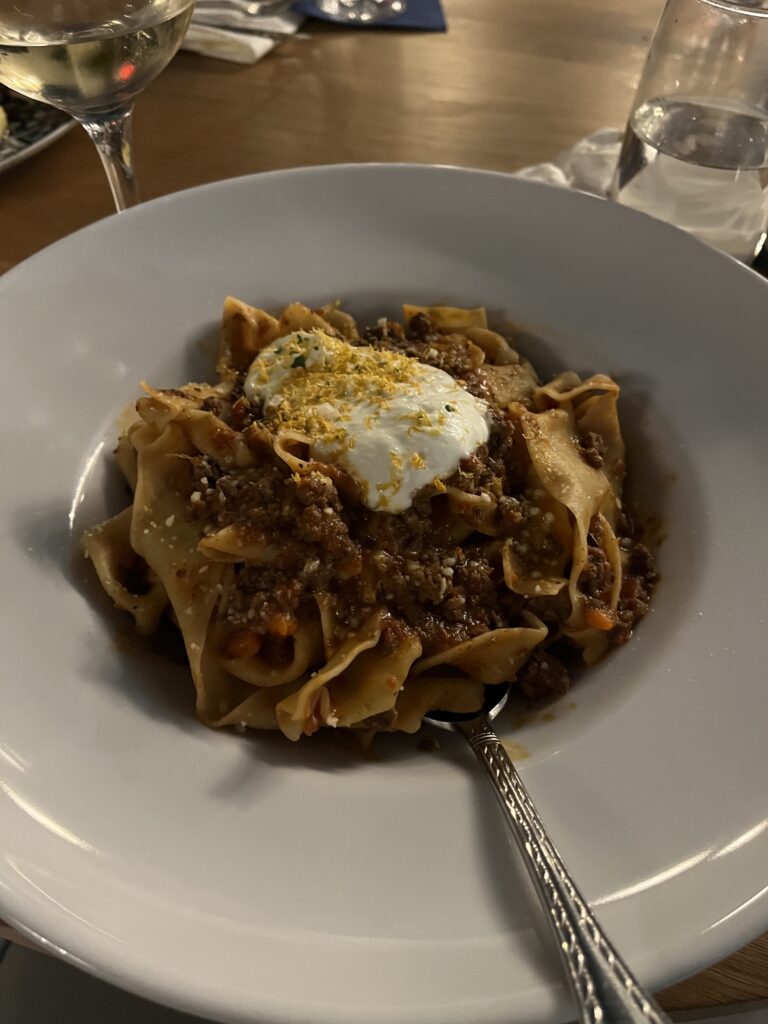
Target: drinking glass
<point>695,152</point>
<point>91,58</point>
<point>362,11</point>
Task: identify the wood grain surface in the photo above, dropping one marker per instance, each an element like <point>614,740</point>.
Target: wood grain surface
<point>513,82</point>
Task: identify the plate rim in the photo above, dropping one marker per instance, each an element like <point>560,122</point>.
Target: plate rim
<point>6,163</point>
<point>364,166</point>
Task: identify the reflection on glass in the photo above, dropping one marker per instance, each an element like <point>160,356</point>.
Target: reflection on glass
<point>363,11</point>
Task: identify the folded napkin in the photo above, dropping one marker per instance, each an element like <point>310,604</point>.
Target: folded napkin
<point>423,14</point>
<point>241,47</point>
<point>730,221</point>
<point>588,166</point>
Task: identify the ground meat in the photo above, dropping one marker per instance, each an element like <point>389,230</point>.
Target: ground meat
<point>440,590</point>
<point>315,489</point>
<point>497,468</point>
<point>597,577</point>
<point>299,515</point>
<point>409,583</point>
<point>425,524</point>
<point>452,353</point>
<point>444,592</point>
<point>237,385</point>
<point>261,597</point>
<point>543,676</point>
<point>474,576</point>
<point>316,526</point>
<point>212,404</point>
<point>385,335</point>
<point>475,475</point>
<point>271,502</point>
<point>242,414</point>
<point>316,515</point>
<point>592,449</point>
<point>439,602</point>
<point>638,583</point>
<point>507,452</point>
<point>410,562</point>
<point>393,632</point>
<point>420,328</point>
<point>552,609</point>
<point>640,563</point>
<point>510,513</point>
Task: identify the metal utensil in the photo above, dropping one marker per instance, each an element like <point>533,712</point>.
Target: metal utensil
<point>603,986</point>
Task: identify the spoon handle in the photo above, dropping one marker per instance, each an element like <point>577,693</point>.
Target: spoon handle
<point>605,989</point>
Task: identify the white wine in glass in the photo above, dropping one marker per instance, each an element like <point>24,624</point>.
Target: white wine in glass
<point>91,58</point>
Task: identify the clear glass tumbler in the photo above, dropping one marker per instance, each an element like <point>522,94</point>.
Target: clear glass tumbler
<point>695,152</point>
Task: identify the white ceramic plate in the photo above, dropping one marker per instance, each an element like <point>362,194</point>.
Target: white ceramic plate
<point>254,880</point>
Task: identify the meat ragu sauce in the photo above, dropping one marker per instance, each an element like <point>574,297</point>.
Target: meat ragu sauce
<point>410,563</point>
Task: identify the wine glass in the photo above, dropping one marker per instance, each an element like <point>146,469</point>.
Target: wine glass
<point>91,58</point>
<point>362,11</point>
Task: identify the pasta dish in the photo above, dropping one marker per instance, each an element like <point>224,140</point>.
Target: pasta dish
<point>355,526</point>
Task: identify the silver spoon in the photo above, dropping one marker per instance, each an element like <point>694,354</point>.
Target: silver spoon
<point>605,989</point>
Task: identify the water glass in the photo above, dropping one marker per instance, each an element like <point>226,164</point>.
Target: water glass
<point>695,152</point>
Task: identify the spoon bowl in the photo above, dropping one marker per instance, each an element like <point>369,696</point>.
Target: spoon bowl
<point>495,698</point>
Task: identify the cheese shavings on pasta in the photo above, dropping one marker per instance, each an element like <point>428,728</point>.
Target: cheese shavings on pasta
<point>352,528</point>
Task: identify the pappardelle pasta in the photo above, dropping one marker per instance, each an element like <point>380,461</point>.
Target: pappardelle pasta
<point>353,527</point>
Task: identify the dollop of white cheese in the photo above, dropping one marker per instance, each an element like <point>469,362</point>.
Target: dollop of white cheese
<point>393,423</point>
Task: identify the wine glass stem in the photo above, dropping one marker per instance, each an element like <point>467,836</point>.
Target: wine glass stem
<point>112,138</point>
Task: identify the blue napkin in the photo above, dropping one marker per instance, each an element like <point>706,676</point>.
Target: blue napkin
<point>424,14</point>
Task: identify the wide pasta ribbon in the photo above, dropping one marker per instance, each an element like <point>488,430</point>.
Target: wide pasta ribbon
<point>354,684</point>
<point>564,474</point>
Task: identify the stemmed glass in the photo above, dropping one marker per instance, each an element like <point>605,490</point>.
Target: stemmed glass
<point>91,58</point>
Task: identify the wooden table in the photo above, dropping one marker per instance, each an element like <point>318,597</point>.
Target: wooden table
<point>512,83</point>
